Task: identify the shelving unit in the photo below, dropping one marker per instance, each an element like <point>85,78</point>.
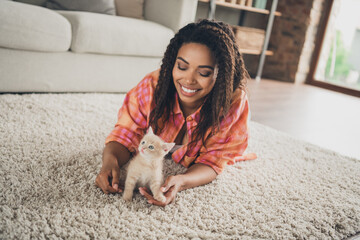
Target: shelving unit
<point>256,52</point>
<point>243,7</point>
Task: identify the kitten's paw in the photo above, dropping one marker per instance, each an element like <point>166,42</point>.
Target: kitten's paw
<point>160,197</point>
<point>127,197</point>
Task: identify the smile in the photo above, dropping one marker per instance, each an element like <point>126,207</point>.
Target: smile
<point>188,90</point>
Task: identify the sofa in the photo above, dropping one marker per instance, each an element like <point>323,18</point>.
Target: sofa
<point>45,50</point>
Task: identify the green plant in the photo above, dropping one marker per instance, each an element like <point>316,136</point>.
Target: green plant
<point>342,66</point>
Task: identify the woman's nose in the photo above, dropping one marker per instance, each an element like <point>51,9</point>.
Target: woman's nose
<point>190,77</point>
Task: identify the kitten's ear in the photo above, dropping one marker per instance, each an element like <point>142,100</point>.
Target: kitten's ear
<point>167,146</point>
<point>150,131</point>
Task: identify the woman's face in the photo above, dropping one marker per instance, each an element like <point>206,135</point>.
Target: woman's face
<point>193,74</point>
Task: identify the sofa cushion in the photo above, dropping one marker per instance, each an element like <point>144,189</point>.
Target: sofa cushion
<point>29,27</point>
<point>130,8</point>
<point>98,6</point>
<point>99,33</point>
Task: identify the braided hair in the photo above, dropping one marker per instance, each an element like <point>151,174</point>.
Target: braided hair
<point>220,39</point>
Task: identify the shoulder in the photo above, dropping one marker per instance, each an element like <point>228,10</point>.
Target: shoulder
<point>238,109</point>
<point>151,79</point>
<point>239,101</point>
<point>147,85</point>
<point>239,97</point>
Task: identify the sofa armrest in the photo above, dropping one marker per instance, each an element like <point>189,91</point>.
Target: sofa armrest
<point>173,14</point>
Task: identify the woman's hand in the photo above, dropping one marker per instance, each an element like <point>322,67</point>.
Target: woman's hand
<point>170,188</point>
<point>115,155</point>
<point>108,178</point>
<point>196,175</point>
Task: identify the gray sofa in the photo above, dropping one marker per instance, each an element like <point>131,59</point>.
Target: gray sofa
<point>43,50</point>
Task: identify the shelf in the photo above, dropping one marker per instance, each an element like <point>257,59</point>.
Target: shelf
<point>256,52</point>
<point>242,7</point>
<point>247,48</point>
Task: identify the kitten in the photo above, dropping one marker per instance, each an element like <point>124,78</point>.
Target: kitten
<point>146,167</point>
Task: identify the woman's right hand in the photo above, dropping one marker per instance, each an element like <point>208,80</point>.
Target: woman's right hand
<point>108,178</point>
<point>115,156</point>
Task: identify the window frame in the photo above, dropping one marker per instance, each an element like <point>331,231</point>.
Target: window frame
<point>316,56</point>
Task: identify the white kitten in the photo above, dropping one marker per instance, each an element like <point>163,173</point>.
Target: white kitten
<point>146,167</point>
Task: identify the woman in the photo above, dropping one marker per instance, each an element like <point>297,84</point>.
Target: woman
<point>196,100</point>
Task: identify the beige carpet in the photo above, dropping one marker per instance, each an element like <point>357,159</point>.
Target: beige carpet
<point>50,154</point>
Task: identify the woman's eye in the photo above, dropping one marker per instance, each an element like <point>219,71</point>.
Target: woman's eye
<point>143,142</point>
<point>181,68</point>
<point>151,147</point>
<point>205,74</point>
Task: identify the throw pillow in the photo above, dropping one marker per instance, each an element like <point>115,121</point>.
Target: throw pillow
<point>97,6</point>
<point>34,2</point>
<point>130,8</point>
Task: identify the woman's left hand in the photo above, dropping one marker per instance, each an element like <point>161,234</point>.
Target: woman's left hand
<point>170,188</point>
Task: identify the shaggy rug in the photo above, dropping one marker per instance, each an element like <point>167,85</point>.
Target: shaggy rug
<point>51,146</point>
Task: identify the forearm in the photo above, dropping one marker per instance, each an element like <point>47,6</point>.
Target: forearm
<point>115,155</point>
<point>116,151</point>
<point>197,175</point>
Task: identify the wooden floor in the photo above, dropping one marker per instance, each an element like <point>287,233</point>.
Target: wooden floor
<point>322,117</point>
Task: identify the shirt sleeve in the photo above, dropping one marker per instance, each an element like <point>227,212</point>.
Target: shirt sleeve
<point>227,145</point>
<point>133,116</point>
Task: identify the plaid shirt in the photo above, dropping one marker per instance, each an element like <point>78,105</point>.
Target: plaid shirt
<point>225,147</point>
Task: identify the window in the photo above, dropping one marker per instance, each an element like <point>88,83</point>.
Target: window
<point>337,59</point>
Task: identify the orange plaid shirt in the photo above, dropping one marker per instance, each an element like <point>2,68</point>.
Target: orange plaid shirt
<point>225,147</point>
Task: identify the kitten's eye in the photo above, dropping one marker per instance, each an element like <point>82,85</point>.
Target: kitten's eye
<point>151,147</point>
<point>143,142</point>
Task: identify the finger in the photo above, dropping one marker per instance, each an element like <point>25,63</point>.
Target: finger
<point>115,180</point>
<point>161,204</point>
<point>151,200</point>
<point>169,182</point>
<point>110,189</point>
<point>99,182</point>
<point>171,193</point>
<point>145,192</point>
<point>104,184</point>
<point>157,203</point>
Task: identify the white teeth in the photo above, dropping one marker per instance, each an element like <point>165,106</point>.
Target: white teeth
<point>188,90</point>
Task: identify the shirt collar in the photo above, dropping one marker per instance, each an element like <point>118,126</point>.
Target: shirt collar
<point>177,110</point>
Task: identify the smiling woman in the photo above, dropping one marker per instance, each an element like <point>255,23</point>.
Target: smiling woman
<point>193,75</point>
<point>196,100</point>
